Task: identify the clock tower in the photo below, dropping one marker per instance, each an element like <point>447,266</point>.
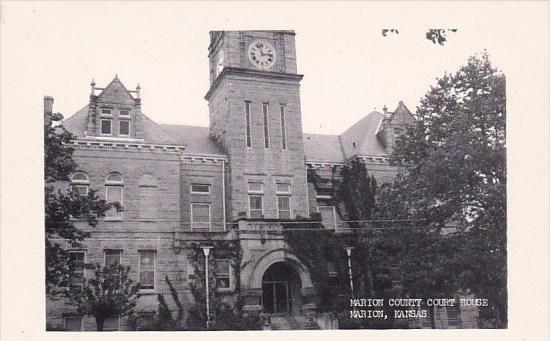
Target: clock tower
<point>255,115</point>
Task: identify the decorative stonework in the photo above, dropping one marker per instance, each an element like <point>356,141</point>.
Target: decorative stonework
<point>203,158</point>
<point>129,145</point>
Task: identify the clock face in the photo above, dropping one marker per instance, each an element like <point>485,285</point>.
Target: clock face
<point>261,54</point>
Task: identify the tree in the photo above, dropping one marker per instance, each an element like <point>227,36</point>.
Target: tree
<point>110,293</point>
<point>63,204</point>
<point>355,193</point>
<point>454,172</point>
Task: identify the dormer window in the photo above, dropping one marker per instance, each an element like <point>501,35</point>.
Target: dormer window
<point>124,128</point>
<point>106,127</point>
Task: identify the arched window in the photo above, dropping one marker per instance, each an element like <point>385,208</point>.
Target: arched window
<point>114,186</point>
<point>114,178</point>
<point>80,183</point>
<point>148,201</point>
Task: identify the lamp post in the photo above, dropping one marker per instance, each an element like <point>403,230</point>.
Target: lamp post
<point>348,251</point>
<point>206,251</point>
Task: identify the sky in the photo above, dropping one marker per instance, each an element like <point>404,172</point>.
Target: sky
<point>349,68</point>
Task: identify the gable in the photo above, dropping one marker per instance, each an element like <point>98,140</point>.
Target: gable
<point>116,93</point>
<point>402,115</point>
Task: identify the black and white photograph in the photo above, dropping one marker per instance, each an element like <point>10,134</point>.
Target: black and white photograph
<point>312,167</point>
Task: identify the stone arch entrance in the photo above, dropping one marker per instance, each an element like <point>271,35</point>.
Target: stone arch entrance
<point>278,265</point>
<point>281,290</point>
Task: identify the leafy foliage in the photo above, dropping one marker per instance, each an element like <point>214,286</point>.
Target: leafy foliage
<point>162,319</point>
<point>454,162</point>
<point>62,205</point>
<point>226,311</point>
<point>355,193</point>
<point>109,293</point>
<point>438,35</point>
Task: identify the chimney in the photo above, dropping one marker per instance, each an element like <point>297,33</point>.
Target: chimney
<point>387,114</point>
<point>48,107</point>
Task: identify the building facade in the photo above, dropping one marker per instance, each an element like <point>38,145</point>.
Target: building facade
<point>235,180</point>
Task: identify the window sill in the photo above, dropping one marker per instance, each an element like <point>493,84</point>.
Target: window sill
<point>201,229</point>
<point>113,219</point>
<point>77,219</point>
<point>224,290</point>
<point>147,292</point>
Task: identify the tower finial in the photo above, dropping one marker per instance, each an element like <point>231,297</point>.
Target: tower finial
<point>92,85</point>
<point>138,89</point>
<point>116,75</point>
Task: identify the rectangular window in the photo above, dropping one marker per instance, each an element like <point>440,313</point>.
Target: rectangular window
<point>113,194</point>
<point>111,324</point>
<point>72,323</point>
<point>255,187</point>
<point>248,123</point>
<point>124,112</point>
<point>106,112</point>
<point>200,216</point>
<point>77,280</point>
<point>223,280</point>
<point>147,269</point>
<point>283,207</point>
<point>124,128</point>
<point>80,189</point>
<point>255,206</point>
<point>200,189</point>
<point>265,110</point>
<point>283,188</point>
<point>112,257</point>
<point>106,127</point>
<point>328,216</point>
<point>324,193</point>
<point>283,127</point>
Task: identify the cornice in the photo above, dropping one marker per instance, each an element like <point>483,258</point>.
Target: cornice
<point>313,163</point>
<point>204,158</point>
<point>130,145</point>
<point>251,73</point>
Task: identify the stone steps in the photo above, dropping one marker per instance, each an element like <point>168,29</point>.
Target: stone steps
<point>292,322</point>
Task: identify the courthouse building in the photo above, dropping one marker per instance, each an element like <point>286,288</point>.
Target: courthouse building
<point>233,180</point>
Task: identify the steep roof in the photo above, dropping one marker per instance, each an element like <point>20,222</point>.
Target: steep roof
<point>152,132</point>
<point>196,139</point>
<point>323,147</point>
<point>360,138</point>
<point>76,123</point>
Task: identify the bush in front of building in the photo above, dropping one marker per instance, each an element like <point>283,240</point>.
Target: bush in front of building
<point>109,293</point>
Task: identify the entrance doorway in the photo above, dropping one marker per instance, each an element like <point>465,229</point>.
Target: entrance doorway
<point>281,290</point>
